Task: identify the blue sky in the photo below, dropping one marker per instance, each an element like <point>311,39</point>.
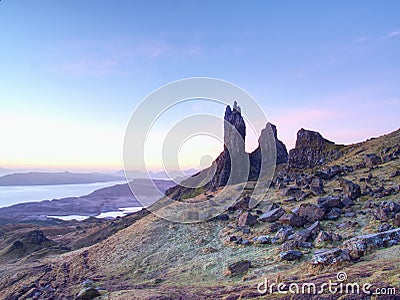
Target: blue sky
<point>72,72</point>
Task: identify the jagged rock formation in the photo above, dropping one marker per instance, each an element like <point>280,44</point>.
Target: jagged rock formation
<point>255,156</point>
<point>233,165</point>
<point>312,150</point>
<point>234,150</point>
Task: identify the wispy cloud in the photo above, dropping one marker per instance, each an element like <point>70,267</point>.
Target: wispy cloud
<point>118,56</point>
<point>391,35</point>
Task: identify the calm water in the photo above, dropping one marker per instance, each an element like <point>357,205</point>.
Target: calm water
<point>10,195</point>
<point>108,215</point>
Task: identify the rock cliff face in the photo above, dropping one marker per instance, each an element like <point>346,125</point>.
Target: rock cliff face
<point>233,165</point>
<point>234,156</point>
<point>312,150</point>
<point>255,156</point>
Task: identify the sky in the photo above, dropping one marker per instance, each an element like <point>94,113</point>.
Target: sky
<point>72,72</point>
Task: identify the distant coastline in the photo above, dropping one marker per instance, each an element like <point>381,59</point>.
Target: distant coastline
<point>55,178</point>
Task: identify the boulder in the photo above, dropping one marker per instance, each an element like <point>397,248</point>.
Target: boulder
<point>329,172</point>
<point>397,220</point>
<point>291,255</point>
<point>272,215</point>
<point>238,268</point>
<point>294,191</point>
<point>371,160</point>
<point>311,212</point>
<point>360,245</point>
<point>324,236</point>
<point>222,217</point>
<point>293,220</point>
<point>246,219</point>
<point>264,239</point>
<point>88,293</point>
<point>350,189</point>
<point>317,186</point>
<point>242,203</point>
<point>283,234</point>
<point>334,213</point>
<point>347,202</point>
<point>304,234</point>
<point>329,202</point>
<point>330,256</point>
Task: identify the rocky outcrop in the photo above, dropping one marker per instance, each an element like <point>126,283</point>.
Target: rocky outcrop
<point>356,247</point>
<point>233,165</point>
<point>330,256</point>
<point>312,150</point>
<point>360,245</point>
<point>256,157</point>
<point>233,156</point>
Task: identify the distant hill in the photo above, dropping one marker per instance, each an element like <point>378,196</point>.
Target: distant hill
<point>175,175</point>
<point>103,200</point>
<point>53,178</point>
<point>4,171</point>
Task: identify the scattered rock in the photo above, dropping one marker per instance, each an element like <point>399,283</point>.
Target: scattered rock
<point>246,219</point>
<point>238,268</point>
<point>347,202</point>
<point>246,230</point>
<point>360,245</point>
<point>242,203</point>
<point>284,233</point>
<point>207,250</point>
<point>88,291</point>
<point>324,236</point>
<point>317,186</point>
<point>264,239</point>
<point>334,213</point>
<point>304,234</point>
<point>384,227</point>
<point>371,160</point>
<point>222,217</point>
<point>291,255</point>
<point>293,220</point>
<point>245,242</point>
<point>294,191</point>
<point>395,174</point>
<point>232,238</point>
<point>329,202</point>
<point>311,212</point>
<point>330,256</point>
<point>274,227</point>
<point>272,215</point>
<point>350,189</point>
<point>291,199</point>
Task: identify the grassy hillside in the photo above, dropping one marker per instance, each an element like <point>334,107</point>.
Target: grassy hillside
<point>159,259</point>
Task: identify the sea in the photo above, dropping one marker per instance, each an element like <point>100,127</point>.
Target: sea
<point>10,195</point>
